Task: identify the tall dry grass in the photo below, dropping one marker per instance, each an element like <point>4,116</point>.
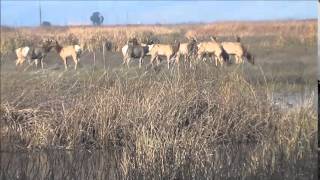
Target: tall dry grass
<point>165,124</point>
<point>161,122</point>
<point>303,31</point>
<point>98,110</point>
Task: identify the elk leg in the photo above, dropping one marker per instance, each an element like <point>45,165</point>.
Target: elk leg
<point>75,59</point>
<point>176,59</point>
<point>75,64</point>
<point>185,60</point>
<point>220,61</point>
<point>217,60</point>
<point>78,57</point>
<point>204,58</point>
<point>128,61</point>
<point>36,62</point>
<point>41,61</point>
<point>241,60</point>
<point>65,63</point>
<point>214,60</point>
<point>17,62</point>
<point>151,60</point>
<point>190,61</point>
<point>158,60</point>
<point>237,59</point>
<point>29,61</point>
<point>140,62</point>
<point>200,57</point>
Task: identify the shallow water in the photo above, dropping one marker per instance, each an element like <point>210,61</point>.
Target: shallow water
<point>231,162</point>
<point>300,99</point>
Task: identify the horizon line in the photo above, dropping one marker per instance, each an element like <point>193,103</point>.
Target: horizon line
<point>166,24</point>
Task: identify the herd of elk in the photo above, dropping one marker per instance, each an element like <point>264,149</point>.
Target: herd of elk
<point>38,53</point>
<point>73,51</point>
<point>220,52</point>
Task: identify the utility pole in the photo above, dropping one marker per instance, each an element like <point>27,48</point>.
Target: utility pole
<point>40,16</point>
<point>127,17</point>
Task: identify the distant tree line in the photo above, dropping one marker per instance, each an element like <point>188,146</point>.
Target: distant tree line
<point>46,24</point>
<point>96,19</point>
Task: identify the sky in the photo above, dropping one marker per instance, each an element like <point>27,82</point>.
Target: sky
<point>26,13</point>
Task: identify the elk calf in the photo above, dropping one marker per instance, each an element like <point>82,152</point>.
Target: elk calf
<point>186,50</point>
<point>169,51</point>
<point>73,51</point>
<point>213,48</point>
<point>34,53</point>
<point>239,51</point>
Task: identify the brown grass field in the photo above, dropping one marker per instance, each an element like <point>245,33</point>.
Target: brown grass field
<point>166,124</point>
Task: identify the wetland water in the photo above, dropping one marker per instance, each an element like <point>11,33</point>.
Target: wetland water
<point>287,100</point>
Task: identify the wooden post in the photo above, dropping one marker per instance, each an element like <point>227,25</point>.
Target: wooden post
<point>94,59</point>
<point>40,14</point>
<point>104,55</point>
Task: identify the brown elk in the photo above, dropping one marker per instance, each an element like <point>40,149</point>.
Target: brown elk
<point>73,51</point>
<point>167,50</point>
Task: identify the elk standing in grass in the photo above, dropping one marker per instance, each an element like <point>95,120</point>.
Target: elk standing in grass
<point>187,50</point>
<point>22,55</point>
<point>73,51</point>
<point>214,49</point>
<point>34,53</point>
<point>147,48</point>
<point>238,50</point>
<point>167,50</point>
<point>135,50</point>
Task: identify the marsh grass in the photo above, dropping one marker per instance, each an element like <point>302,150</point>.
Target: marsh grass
<point>166,124</point>
<point>104,103</point>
